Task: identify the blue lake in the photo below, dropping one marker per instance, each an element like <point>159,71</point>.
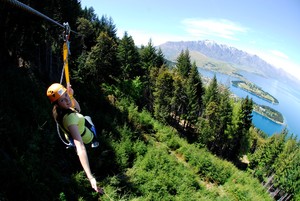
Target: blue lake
<point>287,95</point>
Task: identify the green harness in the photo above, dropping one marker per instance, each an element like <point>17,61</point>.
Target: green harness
<point>60,125</point>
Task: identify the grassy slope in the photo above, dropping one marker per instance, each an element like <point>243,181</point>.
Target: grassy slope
<point>156,163</point>
<point>172,169</point>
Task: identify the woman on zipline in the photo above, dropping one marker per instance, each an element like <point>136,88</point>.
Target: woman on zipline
<point>66,113</point>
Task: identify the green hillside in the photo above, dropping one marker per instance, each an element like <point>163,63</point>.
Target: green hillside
<point>163,135</point>
<point>212,64</point>
<point>139,157</point>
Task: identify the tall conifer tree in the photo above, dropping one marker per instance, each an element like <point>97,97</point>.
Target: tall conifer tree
<point>129,58</point>
<point>183,64</point>
<point>163,94</point>
<point>101,64</point>
<point>194,95</point>
<point>240,140</point>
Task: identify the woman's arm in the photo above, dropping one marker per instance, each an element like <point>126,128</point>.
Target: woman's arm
<point>75,104</point>
<point>83,157</point>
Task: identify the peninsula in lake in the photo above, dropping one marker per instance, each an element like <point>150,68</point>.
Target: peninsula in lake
<point>255,90</point>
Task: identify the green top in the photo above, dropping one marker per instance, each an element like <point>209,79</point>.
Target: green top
<point>78,119</point>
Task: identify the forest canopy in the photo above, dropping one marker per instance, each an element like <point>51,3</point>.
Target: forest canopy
<point>164,134</point>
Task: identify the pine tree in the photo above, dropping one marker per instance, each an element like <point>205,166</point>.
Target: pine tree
<point>163,94</point>
<point>129,58</point>
<point>179,98</point>
<point>209,121</point>
<point>107,25</point>
<point>240,134</point>
<point>160,60</point>
<point>194,93</point>
<point>209,124</point>
<point>183,64</point>
<point>101,63</point>
<point>86,29</point>
<point>148,57</point>
<point>212,92</point>
<point>223,134</point>
<point>150,68</point>
<point>286,167</point>
<point>263,159</point>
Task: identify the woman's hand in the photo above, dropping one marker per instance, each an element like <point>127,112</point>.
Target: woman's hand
<point>75,104</point>
<point>83,157</point>
<point>70,91</point>
<point>94,185</point>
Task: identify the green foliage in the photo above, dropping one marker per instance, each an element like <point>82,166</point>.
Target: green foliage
<point>62,197</point>
<point>240,187</point>
<point>286,168</point>
<point>146,153</point>
<point>129,58</point>
<point>128,148</point>
<point>151,175</point>
<point>132,89</point>
<point>162,178</point>
<point>101,63</point>
<point>211,92</point>
<point>163,94</point>
<point>140,157</point>
<point>209,167</point>
<point>179,99</point>
<point>149,58</point>
<point>242,121</point>
<point>263,159</point>
<point>150,63</point>
<point>183,64</point>
<point>27,143</point>
<point>194,93</point>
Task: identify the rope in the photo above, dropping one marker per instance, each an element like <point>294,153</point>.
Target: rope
<point>59,134</point>
<point>34,12</point>
<point>67,31</point>
<point>62,74</point>
<point>66,35</point>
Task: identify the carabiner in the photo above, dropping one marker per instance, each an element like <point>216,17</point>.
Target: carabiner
<point>67,31</point>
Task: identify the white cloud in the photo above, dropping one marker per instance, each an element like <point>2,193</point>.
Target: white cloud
<point>279,54</point>
<point>279,60</point>
<point>141,37</point>
<point>207,28</point>
<point>196,28</point>
<point>218,28</point>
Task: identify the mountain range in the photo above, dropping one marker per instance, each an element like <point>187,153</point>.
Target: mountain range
<point>225,59</point>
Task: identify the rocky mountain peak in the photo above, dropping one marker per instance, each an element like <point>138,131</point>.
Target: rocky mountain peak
<point>240,59</point>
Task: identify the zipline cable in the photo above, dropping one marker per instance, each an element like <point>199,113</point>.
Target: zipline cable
<point>34,12</point>
<point>66,48</point>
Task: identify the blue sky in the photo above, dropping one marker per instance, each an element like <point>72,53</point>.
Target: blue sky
<point>267,28</point>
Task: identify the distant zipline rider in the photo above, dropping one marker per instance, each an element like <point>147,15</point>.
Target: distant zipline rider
<point>78,130</point>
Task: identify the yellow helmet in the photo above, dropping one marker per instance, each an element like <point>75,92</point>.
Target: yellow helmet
<point>55,91</point>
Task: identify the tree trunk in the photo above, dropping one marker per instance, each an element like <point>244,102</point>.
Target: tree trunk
<point>269,181</point>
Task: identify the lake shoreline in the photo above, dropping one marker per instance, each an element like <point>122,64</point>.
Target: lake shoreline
<point>255,90</point>
<point>273,120</point>
<point>288,97</point>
